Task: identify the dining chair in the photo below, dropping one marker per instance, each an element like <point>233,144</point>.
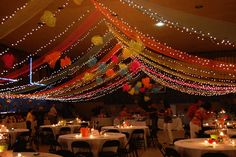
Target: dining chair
<point>65,153</point>
<point>214,155</point>
<point>171,152</point>
<point>113,130</point>
<point>137,136</point>
<point>46,135</point>
<point>110,149</point>
<point>54,146</point>
<point>64,130</point>
<point>81,148</point>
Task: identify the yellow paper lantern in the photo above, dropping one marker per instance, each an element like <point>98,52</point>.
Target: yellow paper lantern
<point>122,66</point>
<point>126,53</point>
<point>78,2</point>
<point>139,84</point>
<point>88,76</point>
<point>146,98</point>
<point>97,40</point>
<point>132,91</point>
<point>136,45</point>
<point>48,18</point>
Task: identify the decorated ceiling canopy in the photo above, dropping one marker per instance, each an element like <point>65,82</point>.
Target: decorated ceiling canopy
<point>75,50</point>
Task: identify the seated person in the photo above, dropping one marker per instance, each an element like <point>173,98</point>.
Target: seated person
<point>124,114</point>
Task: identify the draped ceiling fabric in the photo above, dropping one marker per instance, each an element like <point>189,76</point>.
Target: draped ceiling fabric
<point>95,47</point>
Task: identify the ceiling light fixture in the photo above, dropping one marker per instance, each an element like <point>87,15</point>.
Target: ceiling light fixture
<point>160,24</point>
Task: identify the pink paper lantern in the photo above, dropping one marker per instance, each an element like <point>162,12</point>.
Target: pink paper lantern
<point>114,59</point>
<point>134,66</point>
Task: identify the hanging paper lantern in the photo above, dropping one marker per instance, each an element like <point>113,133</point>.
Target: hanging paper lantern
<point>136,46</point>
<point>139,84</point>
<point>114,59</point>
<point>78,2</point>
<point>8,60</point>
<point>155,90</point>
<point>110,72</point>
<point>142,89</point>
<point>136,88</point>
<point>92,61</point>
<point>126,53</point>
<point>48,18</point>
<point>97,40</point>
<point>122,66</point>
<point>134,66</point>
<point>102,67</point>
<point>132,91</point>
<point>146,82</point>
<point>122,72</point>
<point>88,76</point>
<point>129,77</point>
<point>52,58</point>
<point>126,87</point>
<point>65,62</point>
<point>99,80</point>
<point>146,98</point>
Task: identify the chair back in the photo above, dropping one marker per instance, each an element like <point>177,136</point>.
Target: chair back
<point>80,146</point>
<point>113,130</point>
<point>65,130</point>
<point>171,152</point>
<point>65,153</point>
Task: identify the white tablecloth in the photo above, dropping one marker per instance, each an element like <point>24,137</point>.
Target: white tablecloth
<point>136,123</point>
<point>130,130</point>
<point>95,142</point>
<point>196,147</point>
<point>30,154</point>
<point>14,133</point>
<point>176,124</point>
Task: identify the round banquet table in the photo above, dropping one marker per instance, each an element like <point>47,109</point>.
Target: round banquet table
<point>32,154</point>
<point>230,132</point>
<point>56,128</point>
<point>130,130</point>
<point>14,133</point>
<point>95,142</point>
<point>196,147</point>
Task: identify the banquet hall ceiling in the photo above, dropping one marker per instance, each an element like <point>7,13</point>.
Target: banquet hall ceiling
<point>196,27</point>
<point>223,12</point>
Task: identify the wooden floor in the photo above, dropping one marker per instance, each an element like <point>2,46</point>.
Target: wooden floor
<point>149,152</point>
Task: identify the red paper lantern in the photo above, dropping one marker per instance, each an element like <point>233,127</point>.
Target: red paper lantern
<point>126,87</point>
<point>8,60</point>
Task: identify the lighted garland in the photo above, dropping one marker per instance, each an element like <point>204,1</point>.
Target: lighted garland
<point>68,70</point>
<point>31,32</point>
<point>171,63</point>
<point>91,20</point>
<point>152,44</point>
<point>77,78</point>
<point>207,88</point>
<point>157,17</point>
